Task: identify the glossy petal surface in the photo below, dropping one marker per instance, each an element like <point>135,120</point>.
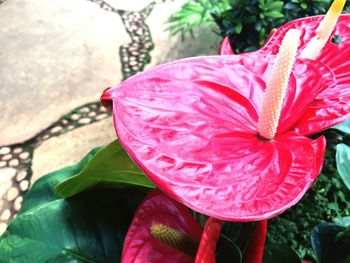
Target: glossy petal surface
<point>247,74</point>
<point>332,105</point>
<point>191,126</point>
<point>207,246</point>
<point>140,246</point>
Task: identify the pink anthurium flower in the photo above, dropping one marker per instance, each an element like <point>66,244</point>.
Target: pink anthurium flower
<point>179,238</point>
<point>163,230</point>
<point>158,210</point>
<point>192,126</point>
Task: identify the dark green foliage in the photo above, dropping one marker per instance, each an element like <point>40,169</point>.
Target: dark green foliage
<point>329,243</point>
<point>277,253</point>
<point>227,251</point>
<point>89,227</point>
<point>246,22</point>
<point>259,17</point>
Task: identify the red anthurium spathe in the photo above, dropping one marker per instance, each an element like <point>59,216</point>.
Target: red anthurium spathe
<point>207,246</point>
<point>191,125</point>
<point>157,208</point>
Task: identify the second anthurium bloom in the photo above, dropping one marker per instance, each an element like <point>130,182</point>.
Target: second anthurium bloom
<point>196,126</point>
<point>164,230</point>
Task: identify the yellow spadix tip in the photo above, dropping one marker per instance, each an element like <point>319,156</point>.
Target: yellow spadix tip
<point>337,6</point>
<point>323,31</point>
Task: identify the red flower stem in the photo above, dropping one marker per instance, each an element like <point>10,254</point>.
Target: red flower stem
<point>210,237</point>
<point>255,250</point>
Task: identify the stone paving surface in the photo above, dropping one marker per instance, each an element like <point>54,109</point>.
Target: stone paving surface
<point>71,147</point>
<point>55,56</point>
<point>56,59</point>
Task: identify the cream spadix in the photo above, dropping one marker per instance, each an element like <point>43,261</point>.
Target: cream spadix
<point>176,239</point>
<point>323,31</point>
<point>277,85</point>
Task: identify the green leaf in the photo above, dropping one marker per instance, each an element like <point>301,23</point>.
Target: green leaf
<point>303,5</point>
<point>111,166</point>
<point>277,253</point>
<point>88,228</point>
<point>274,5</point>
<point>342,234</point>
<point>327,247</point>
<point>343,127</point>
<point>343,163</point>
<point>43,189</point>
<point>333,206</point>
<point>274,14</point>
<point>239,28</point>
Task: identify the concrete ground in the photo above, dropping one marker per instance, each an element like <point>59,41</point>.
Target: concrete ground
<point>56,58</point>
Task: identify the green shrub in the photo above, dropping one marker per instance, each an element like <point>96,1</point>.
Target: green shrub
<point>246,22</point>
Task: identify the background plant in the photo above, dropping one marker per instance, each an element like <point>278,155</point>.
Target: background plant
<point>196,13</point>
<point>246,22</point>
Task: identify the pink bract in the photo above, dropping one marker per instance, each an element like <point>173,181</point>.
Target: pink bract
<point>225,47</point>
<point>140,246</point>
<point>191,126</point>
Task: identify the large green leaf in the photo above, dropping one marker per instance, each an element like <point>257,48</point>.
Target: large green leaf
<point>111,166</point>
<point>343,163</point>
<point>89,227</point>
<point>327,246</point>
